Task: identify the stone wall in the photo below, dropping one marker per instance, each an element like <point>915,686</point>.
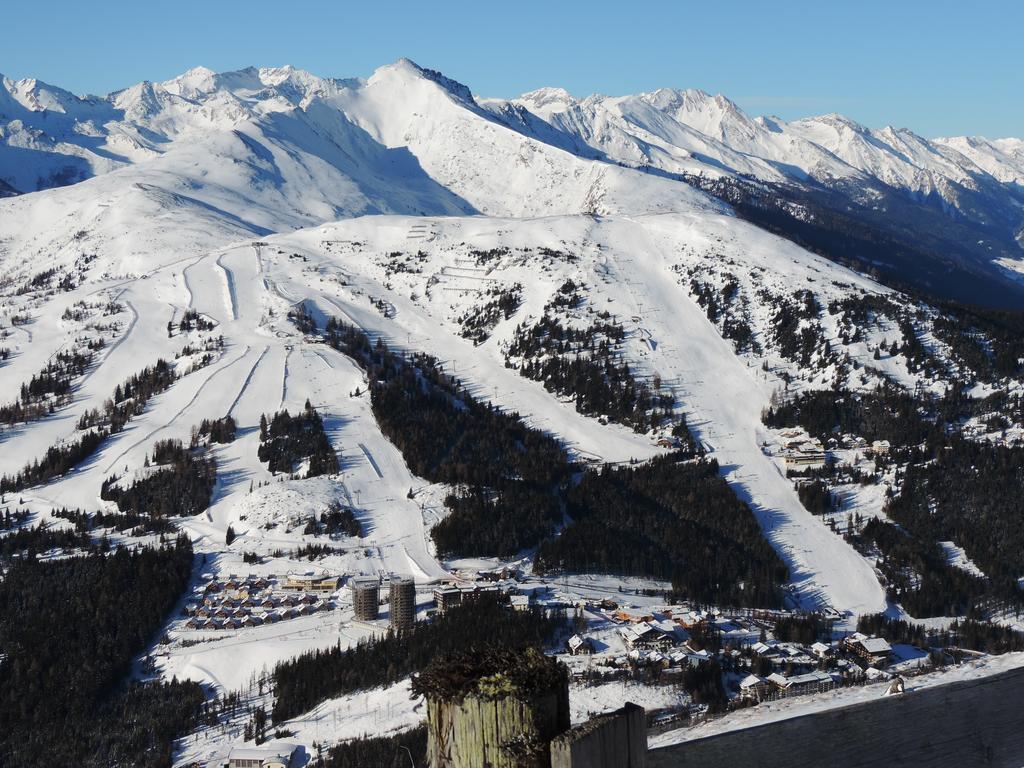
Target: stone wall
<point>959,725</point>
<point>615,740</point>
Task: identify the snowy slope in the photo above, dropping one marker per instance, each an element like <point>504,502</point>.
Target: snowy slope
<point>240,195</point>
<point>232,158</point>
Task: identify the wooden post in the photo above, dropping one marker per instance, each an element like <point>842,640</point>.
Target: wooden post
<point>495,709</point>
<point>505,732</point>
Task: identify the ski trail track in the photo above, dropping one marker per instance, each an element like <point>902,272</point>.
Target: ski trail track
<point>825,572</point>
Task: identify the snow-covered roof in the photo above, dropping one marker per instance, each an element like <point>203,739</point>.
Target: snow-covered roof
<point>763,649</point>
<point>280,750</point>
<point>875,645</point>
<point>750,681</point>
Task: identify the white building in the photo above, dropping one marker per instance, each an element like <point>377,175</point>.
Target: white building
<point>276,754</point>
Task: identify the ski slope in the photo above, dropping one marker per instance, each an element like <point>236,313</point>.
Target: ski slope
<point>401,204</point>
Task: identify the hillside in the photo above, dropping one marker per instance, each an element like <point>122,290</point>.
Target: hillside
<point>484,320</point>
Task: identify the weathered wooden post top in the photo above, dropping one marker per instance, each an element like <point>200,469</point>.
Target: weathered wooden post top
<point>497,708</point>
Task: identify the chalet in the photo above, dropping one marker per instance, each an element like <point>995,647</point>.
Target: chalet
<point>519,602</point>
<point>669,442</point>
<point>268,603</point>
<point>499,574</point>
<point>194,623</point>
<point>875,651</point>
<point>656,659</point>
<point>764,650</point>
<point>678,658</point>
<point>271,617</point>
<point>821,651</point>
<point>647,637</point>
<point>753,687</point>
<point>880,447</point>
<point>695,619</point>
<point>696,658</point>
<point>275,755</point>
<point>580,646</point>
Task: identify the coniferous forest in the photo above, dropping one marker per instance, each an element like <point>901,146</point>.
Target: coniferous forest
<point>305,681</point>
<point>285,440</point>
<point>508,472</point>
<point>61,700</point>
<point>180,484</point>
<point>516,483</point>
<point>673,519</point>
<point>968,493</point>
<point>584,364</point>
<point>951,489</point>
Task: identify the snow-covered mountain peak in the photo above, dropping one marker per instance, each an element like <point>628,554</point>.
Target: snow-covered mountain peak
<point>548,98</point>
<point>34,95</point>
<point>405,72</point>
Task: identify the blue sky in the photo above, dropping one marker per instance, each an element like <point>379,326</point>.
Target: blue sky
<point>937,67</point>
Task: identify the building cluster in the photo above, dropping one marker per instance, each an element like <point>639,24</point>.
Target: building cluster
<point>800,452</point>
<point>671,640</point>
<point>798,669</point>
<point>252,601</point>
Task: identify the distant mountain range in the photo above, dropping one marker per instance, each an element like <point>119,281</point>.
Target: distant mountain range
<point>943,216</point>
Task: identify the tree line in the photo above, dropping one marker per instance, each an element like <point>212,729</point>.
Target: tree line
<point>129,400</point>
<point>48,389</point>
<point>378,751</point>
